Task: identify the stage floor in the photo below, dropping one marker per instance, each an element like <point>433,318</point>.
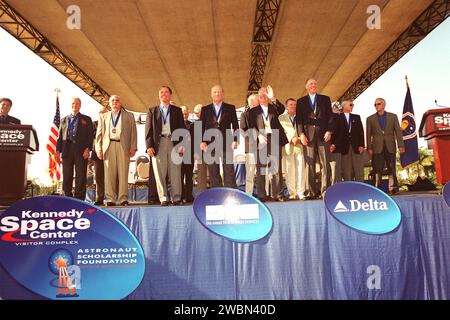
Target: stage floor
<point>307,255</point>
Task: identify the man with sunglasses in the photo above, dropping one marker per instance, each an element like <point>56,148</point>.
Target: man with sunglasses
<point>383,129</point>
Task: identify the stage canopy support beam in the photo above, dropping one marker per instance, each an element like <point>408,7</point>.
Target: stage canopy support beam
<point>265,21</point>
<point>19,28</point>
<point>436,13</point>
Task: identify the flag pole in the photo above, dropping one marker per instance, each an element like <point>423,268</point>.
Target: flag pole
<point>56,187</point>
<point>418,162</point>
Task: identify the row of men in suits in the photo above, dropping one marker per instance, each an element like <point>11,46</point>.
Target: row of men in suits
<point>115,143</point>
<point>307,131</point>
<point>331,137</point>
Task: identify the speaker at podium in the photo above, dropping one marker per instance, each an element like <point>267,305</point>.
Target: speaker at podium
<point>17,144</point>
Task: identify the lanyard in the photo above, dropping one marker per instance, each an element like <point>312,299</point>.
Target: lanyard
<point>313,104</point>
<point>166,115</point>
<point>266,116</point>
<point>219,112</point>
<point>114,122</point>
<point>292,120</point>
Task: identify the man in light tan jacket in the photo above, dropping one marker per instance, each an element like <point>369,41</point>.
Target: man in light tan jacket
<point>292,153</point>
<point>116,143</point>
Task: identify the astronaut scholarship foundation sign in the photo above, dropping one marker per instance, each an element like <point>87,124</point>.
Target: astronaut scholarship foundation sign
<point>362,207</point>
<point>233,214</point>
<point>64,248</point>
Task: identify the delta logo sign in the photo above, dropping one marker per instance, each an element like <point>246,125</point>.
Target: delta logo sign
<point>362,207</point>
<point>233,214</point>
<point>64,248</point>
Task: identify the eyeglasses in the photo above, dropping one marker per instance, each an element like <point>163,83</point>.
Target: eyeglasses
<point>377,104</point>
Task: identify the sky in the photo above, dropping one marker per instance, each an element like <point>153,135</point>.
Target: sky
<point>30,82</point>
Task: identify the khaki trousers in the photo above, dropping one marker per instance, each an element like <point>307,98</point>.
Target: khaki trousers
<point>163,165</point>
<point>117,164</point>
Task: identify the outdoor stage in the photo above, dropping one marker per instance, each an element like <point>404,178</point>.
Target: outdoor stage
<point>308,255</point>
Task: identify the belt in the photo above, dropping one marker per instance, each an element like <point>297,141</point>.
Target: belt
<point>166,136</point>
<point>114,140</point>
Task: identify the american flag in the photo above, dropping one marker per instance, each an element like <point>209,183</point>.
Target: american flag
<point>54,165</point>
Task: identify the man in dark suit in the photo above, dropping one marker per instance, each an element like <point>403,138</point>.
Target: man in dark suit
<point>383,129</point>
<point>315,127</point>
<point>187,167</point>
<point>222,117</point>
<point>161,123</point>
<point>250,159</point>
<point>99,169</point>
<point>5,107</point>
<point>202,167</point>
<point>263,119</point>
<point>74,145</point>
<point>352,143</point>
<point>336,148</point>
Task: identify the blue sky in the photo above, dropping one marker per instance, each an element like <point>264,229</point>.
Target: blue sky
<point>30,82</point>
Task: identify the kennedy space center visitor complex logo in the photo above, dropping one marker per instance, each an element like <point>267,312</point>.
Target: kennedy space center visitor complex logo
<point>64,248</point>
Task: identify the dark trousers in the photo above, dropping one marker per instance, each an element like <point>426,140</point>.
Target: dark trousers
<point>314,148</point>
<point>228,173</point>
<point>70,161</point>
<point>152,192</point>
<point>99,174</point>
<point>385,160</point>
<point>268,162</point>
<point>186,182</point>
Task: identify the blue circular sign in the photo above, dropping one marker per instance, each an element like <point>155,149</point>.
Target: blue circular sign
<point>64,248</point>
<point>446,193</point>
<point>362,207</point>
<point>233,214</point>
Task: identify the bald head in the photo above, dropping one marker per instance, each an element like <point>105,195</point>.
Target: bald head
<point>311,86</point>
<point>217,94</point>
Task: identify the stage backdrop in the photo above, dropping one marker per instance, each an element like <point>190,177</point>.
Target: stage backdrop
<point>308,255</point>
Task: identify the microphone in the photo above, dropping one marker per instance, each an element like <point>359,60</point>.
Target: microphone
<point>438,105</point>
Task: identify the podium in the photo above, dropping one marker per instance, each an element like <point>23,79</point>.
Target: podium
<point>435,128</point>
<point>17,144</point>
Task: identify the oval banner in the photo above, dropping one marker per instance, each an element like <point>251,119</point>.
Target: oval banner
<point>446,193</point>
<point>64,248</point>
<point>233,214</point>
<point>362,207</point>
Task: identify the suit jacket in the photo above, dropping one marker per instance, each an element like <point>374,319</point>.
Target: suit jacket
<point>83,138</point>
<point>256,121</point>
<point>94,130</point>
<point>376,137</point>
<point>244,125</point>
<point>228,120</point>
<point>308,121</point>
<point>291,132</point>
<point>339,133</point>
<point>128,135</point>
<point>10,120</point>
<point>190,126</point>
<point>153,125</point>
<point>353,138</point>
<point>278,106</point>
